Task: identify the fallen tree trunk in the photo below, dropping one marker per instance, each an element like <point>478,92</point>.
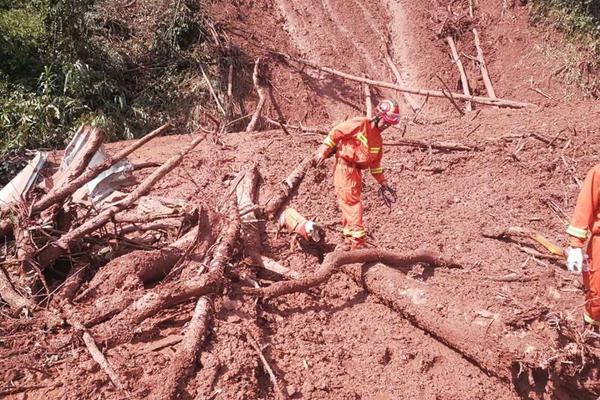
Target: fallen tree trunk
<point>287,187</point>
<point>443,146</point>
<point>518,357</point>
<point>333,261</point>
<point>59,194</point>
<point>50,253</point>
<point>421,92</point>
<point>411,102</point>
<point>182,367</point>
<point>120,329</point>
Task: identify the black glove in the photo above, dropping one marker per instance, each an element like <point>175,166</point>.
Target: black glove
<point>388,195</point>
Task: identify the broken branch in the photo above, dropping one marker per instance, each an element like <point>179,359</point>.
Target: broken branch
<point>421,92</point>
<point>333,261</point>
<point>261,97</point>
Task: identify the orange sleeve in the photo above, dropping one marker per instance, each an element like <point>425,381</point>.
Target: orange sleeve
<point>585,208</point>
<point>338,132</point>
<point>376,169</point>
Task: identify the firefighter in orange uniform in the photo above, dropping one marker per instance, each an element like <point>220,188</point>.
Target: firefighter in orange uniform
<point>586,223</point>
<point>358,146</point>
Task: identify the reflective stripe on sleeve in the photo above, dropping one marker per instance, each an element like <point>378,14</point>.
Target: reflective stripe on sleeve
<point>577,232</point>
<point>362,138</point>
<point>375,150</point>
<point>376,171</point>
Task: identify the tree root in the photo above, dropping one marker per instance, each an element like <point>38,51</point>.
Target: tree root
<point>120,328</point>
<point>187,353</point>
<point>335,260</point>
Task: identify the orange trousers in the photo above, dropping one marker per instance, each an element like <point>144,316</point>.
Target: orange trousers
<point>347,180</point>
<point>591,282</point>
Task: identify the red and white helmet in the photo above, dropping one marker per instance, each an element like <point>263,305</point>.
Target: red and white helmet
<point>389,111</point>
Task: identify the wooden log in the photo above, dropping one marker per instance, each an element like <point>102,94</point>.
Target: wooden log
<point>180,369</point>
<point>461,71</point>
<point>273,266</point>
<point>95,352</point>
<point>442,146</point>
<point>333,261</point>
<point>81,160</point>
<point>305,129</point>
<point>420,92</point>
<point>59,194</point>
<point>50,253</point>
<point>287,187</point>
<point>14,299</point>
<point>262,97</point>
<point>519,358</point>
<point>246,199</point>
<point>280,393</point>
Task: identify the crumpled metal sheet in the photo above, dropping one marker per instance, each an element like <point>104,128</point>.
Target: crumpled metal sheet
<point>104,186</point>
<point>17,188</point>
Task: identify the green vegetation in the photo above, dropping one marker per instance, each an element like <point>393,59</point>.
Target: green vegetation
<point>579,20</point>
<point>68,62</point>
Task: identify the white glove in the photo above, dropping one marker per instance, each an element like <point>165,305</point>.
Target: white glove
<point>575,259</point>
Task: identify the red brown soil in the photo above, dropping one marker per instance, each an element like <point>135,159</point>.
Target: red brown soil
<point>335,341</point>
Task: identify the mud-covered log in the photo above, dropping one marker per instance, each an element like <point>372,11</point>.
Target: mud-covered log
<point>176,377</point>
<point>475,333</point>
<point>16,301</point>
<point>50,253</point>
<point>246,199</point>
<point>333,261</point>
<point>121,327</point>
<point>287,187</point>
<point>59,194</point>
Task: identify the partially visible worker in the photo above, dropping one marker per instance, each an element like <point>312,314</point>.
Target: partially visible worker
<point>358,146</point>
<point>584,224</point>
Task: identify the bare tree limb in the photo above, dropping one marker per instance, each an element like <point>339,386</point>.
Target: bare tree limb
<point>333,261</point>
<point>421,92</point>
<point>461,71</point>
<point>261,97</point>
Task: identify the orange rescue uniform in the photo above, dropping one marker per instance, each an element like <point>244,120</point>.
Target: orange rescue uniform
<point>359,146</point>
<point>586,220</point>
